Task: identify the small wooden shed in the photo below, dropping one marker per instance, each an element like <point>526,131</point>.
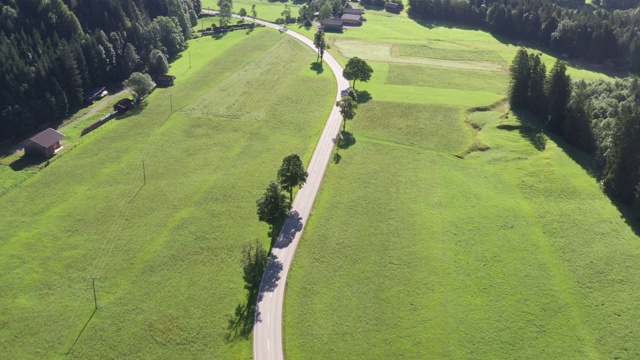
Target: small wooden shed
<point>351,20</point>
<point>45,144</point>
<point>123,105</point>
<point>332,25</point>
<point>164,80</point>
<point>350,11</point>
<point>393,8</point>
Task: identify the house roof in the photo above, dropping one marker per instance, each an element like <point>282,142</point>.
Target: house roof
<point>47,138</point>
<point>164,77</point>
<point>332,22</point>
<point>351,17</point>
<point>353,11</point>
<point>391,5</point>
<point>94,92</point>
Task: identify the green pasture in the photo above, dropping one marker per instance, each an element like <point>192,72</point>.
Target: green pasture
<point>156,207</point>
<point>265,9</point>
<point>400,39</point>
<point>454,229</point>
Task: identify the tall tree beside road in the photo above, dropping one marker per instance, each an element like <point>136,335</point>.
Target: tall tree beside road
<point>273,206</point>
<point>286,14</point>
<point>320,43</point>
<point>357,69</point>
<point>348,108</point>
<point>226,8</point>
<point>292,174</point>
<point>254,13</point>
<point>254,261</point>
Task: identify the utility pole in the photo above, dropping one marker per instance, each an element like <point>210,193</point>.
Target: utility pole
<point>189,59</point>
<point>144,173</point>
<point>171,102</point>
<point>95,299</point>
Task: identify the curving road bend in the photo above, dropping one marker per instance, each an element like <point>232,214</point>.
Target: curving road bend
<point>267,330</point>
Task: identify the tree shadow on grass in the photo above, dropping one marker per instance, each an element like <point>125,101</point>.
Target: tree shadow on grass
<point>529,128</point>
<point>317,67</point>
<point>26,161</point>
<point>363,96</point>
<point>345,140</point>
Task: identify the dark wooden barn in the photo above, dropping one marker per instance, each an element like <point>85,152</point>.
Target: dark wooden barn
<point>351,20</point>
<point>334,25</point>
<point>393,8</point>
<point>349,11</point>
<point>95,94</point>
<point>164,80</point>
<point>123,105</point>
<point>45,144</point>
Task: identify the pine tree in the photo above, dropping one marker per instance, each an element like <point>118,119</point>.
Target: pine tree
<point>520,71</point>
<point>558,92</point>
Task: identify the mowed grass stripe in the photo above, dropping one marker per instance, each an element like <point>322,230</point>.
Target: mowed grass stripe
<point>426,76</point>
<point>230,98</point>
<point>172,279</point>
<point>425,126</point>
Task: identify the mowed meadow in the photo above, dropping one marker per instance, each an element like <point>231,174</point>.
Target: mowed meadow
<point>452,228</point>
<point>156,207</point>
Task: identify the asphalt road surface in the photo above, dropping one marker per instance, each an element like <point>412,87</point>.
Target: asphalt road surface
<point>267,330</point>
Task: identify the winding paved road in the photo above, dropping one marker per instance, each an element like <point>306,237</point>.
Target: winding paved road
<point>267,331</point>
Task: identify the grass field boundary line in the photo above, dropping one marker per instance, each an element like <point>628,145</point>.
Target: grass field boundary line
<point>398,144</point>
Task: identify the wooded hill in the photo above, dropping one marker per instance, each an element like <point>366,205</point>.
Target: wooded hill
<point>52,51</point>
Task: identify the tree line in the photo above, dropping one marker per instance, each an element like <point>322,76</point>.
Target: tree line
<point>595,34</point>
<point>53,51</point>
<point>601,118</point>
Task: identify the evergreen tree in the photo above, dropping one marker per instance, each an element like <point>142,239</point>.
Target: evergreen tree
<point>520,72</point>
<point>536,99</point>
<point>558,93</point>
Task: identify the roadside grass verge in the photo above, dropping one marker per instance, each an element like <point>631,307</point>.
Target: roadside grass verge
<point>164,244</point>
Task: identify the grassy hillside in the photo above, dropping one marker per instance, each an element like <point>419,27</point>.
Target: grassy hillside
<point>421,246</point>
<point>166,252</point>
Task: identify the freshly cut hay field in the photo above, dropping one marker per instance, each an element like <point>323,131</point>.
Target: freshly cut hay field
<point>165,253</point>
<point>412,252</point>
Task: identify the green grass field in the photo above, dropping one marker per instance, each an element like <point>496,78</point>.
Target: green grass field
<point>165,253</point>
<point>412,252</point>
<point>265,9</point>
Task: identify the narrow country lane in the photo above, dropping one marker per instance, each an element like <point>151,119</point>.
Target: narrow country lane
<point>267,331</point>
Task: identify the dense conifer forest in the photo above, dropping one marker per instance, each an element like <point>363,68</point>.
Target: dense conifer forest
<point>53,51</point>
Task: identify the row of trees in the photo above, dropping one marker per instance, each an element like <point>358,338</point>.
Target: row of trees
<point>600,118</point>
<point>595,34</point>
<point>52,51</point>
<point>546,97</point>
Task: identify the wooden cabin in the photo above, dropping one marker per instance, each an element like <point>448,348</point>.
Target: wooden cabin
<point>45,144</point>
